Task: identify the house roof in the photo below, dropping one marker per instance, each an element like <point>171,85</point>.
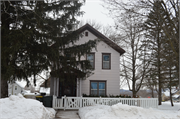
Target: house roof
<point>48,83</point>
<point>176,96</point>
<point>62,72</point>
<point>101,37</point>
<point>20,84</point>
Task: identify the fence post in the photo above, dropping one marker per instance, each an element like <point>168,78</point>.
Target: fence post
<point>53,101</point>
<point>80,102</point>
<point>65,103</point>
<point>100,100</point>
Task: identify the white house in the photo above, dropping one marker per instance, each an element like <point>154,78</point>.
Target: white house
<point>106,63</point>
<point>15,88</point>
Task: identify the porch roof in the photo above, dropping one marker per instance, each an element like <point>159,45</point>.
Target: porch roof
<point>68,72</point>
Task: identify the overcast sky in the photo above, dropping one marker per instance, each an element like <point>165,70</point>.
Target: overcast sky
<point>94,10</point>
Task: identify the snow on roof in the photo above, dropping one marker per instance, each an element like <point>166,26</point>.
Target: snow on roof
<point>167,91</point>
<point>174,90</point>
<point>27,91</point>
<point>175,96</point>
<point>18,107</point>
<point>44,90</point>
<point>21,84</point>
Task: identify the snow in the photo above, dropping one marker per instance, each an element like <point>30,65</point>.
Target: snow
<point>21,84</point>
<point>18,107</point>
<point>167,91</point>
<point>122,111</point>
<point>175,96</point>
<point>44,90</point>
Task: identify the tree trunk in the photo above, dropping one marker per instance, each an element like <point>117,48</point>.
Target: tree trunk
<point>159,71</point>
<point>170,87</point>
<point>171,97</point>
<point>159,95</point>
<point>4,89</point>
<point>152,92</point>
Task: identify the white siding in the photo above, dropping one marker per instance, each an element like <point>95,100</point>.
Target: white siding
<point>14,89</point>
<point>111,76</point>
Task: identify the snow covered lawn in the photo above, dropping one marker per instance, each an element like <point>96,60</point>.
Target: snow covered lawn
<point>18,107</point>
<point>119,111</point>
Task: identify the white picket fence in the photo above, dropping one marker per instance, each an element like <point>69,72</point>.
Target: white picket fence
<point>78,102</point>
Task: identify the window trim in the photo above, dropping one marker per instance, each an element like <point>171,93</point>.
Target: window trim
<point>109,61</point>
<point>93,60</point>
<point>15,87</point>
<point>86,33</point>
<point>98,86</point>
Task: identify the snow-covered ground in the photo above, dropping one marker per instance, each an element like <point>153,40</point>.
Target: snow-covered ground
<point>18,107</point>
<point>119,111</point>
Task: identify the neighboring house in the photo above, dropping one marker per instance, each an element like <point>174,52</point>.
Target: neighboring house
<point>176,95</point>
<point>166,94</point>
<point>106,63</point>
<point>45,88</point>
<point>15,88</point>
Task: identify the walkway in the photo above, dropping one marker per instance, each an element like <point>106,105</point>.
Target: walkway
<point>61,114</point>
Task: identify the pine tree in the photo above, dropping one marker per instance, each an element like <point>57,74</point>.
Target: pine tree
<point>36,35</point>
<point>156,37</point>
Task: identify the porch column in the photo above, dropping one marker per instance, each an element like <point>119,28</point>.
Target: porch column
<point>77,88</point>
<point>80,87</point>
<point>57,87</point>
<point>52,86</point>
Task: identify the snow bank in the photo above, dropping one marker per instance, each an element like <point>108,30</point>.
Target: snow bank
<point>120,111</point>
<point>18,107</point>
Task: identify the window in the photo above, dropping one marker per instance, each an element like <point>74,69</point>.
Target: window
<point>91,58</point>
<point>98,88</point>
<point>106,61</point>
<point>86,33</point>
<point>15,87</point>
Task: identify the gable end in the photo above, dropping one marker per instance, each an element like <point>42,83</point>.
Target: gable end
<point>101,37</point>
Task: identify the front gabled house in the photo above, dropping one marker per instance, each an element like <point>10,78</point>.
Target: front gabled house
<point>105,60</point>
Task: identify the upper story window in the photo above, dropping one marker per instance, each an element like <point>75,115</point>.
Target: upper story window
<point>106,61</point>
<point>91,58</point>
<point>86,33</point>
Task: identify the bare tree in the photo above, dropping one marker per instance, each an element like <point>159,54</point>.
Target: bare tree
<point>131,34</point>
<point>168,23</point>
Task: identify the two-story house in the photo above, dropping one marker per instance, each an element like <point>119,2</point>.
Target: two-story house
<point>105,60</point>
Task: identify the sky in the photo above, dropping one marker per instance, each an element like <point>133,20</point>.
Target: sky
<point>95,11</point>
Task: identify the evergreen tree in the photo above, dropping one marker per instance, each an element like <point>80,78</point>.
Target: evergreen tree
<point>156,37</point>
<point>163,37</point>
<point>37,35</point>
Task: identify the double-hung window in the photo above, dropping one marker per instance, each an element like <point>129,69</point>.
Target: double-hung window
<point>106,61</point>
<point>98,88</point>
<point>91,58</point>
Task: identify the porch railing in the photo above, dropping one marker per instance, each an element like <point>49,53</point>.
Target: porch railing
<point>78,102</point>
